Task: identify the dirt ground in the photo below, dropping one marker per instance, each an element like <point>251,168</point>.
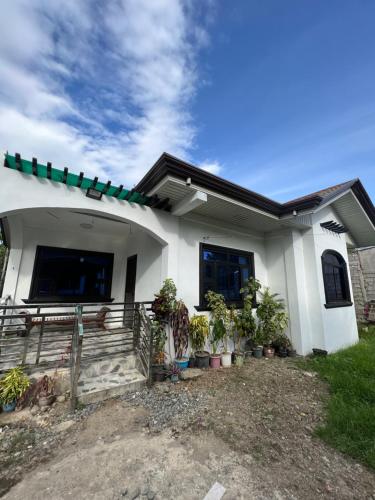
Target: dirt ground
<point>250,429</point>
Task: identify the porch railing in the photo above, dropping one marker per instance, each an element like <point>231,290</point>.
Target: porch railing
<point>143,340</point>
<point>75,356</point>
<point>63,335</point>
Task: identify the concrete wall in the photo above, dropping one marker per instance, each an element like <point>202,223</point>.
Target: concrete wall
<point>192,233</point>
<point>362,269</point>
<point>288,261</point>
<point>22,256</point>
<point>339,324</point>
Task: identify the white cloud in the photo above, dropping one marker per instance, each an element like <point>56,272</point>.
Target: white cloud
<point>104,88</point>
<point>213,167</point>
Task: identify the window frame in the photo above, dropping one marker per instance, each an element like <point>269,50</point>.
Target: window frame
<point>346,302</point>
<point>217,248</point>
<point>36,299</point>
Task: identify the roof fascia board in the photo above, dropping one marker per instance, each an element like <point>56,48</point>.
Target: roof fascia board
<point>348,191</point>
<point>168,165</point>
<point>218,224</point>
<point>197,187</point>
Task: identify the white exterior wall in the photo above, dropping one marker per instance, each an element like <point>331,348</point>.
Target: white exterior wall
<point>149,265</point>
<point>288,261</point>
<point>193,233</point>
<point>339,325</point>
<point>20,268</point>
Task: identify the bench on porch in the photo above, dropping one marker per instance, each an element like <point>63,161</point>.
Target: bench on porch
<point>95,320</point>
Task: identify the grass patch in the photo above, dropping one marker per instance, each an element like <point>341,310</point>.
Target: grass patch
<point>350,425</point>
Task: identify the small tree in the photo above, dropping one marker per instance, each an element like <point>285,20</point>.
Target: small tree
<point>199,329</point>
<point>244,322</point>
<point>180,328</point>
<point>165,300</point>
<point>273,319</point>
<point>220,319</point>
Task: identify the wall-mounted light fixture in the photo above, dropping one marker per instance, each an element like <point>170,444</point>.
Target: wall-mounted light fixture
<point>95,194</point>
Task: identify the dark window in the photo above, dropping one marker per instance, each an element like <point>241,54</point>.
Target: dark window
<point>335,276</point>
<point>66,275</point>
<point>224,271</point>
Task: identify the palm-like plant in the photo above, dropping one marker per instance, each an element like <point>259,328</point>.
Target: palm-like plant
<point>13,385</point>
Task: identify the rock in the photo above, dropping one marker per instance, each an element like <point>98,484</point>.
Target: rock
<point>133,493</point>
<point>34,411</point>
<point>60,399</point>
<point>190,373</point>
<point>64,426</point>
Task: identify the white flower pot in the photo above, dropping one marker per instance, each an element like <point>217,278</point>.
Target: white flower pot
<point>226,359</point>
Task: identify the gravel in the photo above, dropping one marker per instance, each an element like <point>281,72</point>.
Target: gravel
<point>168,404</point>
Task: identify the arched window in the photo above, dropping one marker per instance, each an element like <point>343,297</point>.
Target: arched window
<point>335,276</point>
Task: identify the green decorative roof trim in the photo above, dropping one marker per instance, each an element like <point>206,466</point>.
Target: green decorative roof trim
<point>58,175</point>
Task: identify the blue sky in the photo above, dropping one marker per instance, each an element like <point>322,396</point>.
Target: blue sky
<point>276,96</point>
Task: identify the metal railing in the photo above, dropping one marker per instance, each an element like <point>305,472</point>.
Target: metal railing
<point>75,356</point>
<point>143,340</point>
<point>42,334</point>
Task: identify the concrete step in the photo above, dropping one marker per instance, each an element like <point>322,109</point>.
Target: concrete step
<point>99,388</point>
<point>107,365</point>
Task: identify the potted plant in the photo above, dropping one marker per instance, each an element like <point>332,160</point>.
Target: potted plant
<point>160,337</point>
<point>220,320</point>
<point>47,391</point>
<point>174,372</point>
<point>165,300</point>
<point>12,387</point>
<point>281,345</point>
<point>217,335</point>
<point>199,329</point>
<point>273,320</point>
<point>245,325</point>
<point>179,319</point>
<point>258,345</point>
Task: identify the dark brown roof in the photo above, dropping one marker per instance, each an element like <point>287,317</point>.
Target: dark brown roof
<point>325,193</point>
<point>170,165</point>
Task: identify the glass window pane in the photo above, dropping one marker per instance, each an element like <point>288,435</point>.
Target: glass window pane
<point>75,274</point>
<point>217,256</point>
<point>239,259</point>
<point>225,272</point>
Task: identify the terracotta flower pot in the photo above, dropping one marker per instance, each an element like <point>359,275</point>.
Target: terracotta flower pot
<point>269,352</point>
<point>215,360</point>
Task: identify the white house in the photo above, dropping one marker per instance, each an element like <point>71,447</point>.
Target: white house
<point>73,239</point>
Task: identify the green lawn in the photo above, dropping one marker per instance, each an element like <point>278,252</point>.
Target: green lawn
<point>350,425</point>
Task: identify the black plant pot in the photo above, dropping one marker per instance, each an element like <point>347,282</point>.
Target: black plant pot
<point>202,359</point>
<point>192,362</point>
<point>158,373</point>
<point>282,352</point>
<point>292,353</point>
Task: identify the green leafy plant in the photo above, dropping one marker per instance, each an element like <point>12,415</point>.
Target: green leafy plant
<point>165,300</point>
<point>179,319</point>
<point>198,329</point>
<point>13,385</point>
<point>281,341</point>
<point>160,337</point>
<point>220,319</point>
<point>273,319</point>
<point>218,332</point>
<point>244,322</point>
